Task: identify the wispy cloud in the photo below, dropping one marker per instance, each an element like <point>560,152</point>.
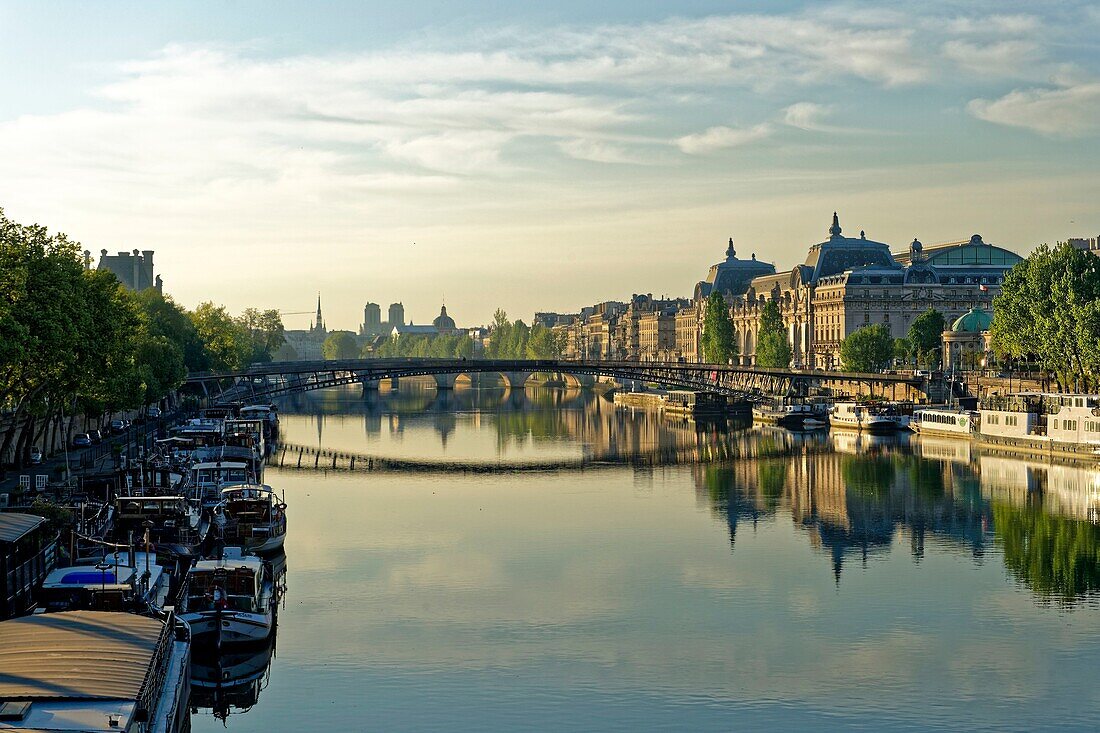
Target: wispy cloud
<point>1072,111</point>
<point>717,138</point>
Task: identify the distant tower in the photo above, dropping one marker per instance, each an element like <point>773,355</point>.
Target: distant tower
<point>372,320</point>
<point>397,315</point>
<point>318,326</point>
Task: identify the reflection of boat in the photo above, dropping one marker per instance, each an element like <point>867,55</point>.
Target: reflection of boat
<point>231,599</point>
<point>255,519</point>
<point>94,671</point>
<point>857,442</point>
<point>1042,423</point>
<point>230,681</point>
<point>1064,490</point>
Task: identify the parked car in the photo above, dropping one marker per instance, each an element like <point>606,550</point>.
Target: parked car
<point>153,412</point>
<point>36,456</point>
<point>96,436</point>
<point>82,440</point>
<point>118,427</point>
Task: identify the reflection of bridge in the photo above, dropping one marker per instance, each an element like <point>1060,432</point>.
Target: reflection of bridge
<point>263,381</point>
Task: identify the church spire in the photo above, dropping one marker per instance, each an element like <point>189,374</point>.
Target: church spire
<point>834,230</point>
<point>320,321</point>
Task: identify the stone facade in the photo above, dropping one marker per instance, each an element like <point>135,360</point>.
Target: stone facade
<point>847,283</point>
<point>133,269</point>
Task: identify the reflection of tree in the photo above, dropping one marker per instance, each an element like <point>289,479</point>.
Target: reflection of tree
<point>1053,555</point>
<point>867,474</point>
<point>772,475</point>
<point>727,497</point>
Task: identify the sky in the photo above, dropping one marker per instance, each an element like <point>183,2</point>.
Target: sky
<point>536,156</point>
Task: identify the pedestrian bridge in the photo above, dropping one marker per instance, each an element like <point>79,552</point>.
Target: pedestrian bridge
<point>263,381</point>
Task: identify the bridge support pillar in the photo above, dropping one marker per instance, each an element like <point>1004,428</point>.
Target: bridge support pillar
<point>445,381</point>
<point>395,384</point>
<point>515,380</point>
<point>369,385</point>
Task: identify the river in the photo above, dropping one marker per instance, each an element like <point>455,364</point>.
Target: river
<point>657,574</point>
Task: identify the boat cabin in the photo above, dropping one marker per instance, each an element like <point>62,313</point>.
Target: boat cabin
<point>254,516</point>
<point>174,519</point>
<point>207,479</point>
<point>236,581</point>
<point>27,554</point>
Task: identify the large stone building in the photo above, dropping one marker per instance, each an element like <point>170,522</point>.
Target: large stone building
<point>850,282</point>
<point>133,269</point>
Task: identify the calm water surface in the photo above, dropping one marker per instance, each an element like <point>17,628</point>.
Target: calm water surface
<point>667,576</point>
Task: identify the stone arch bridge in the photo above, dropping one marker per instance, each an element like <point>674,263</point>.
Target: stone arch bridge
<point>264,381</point>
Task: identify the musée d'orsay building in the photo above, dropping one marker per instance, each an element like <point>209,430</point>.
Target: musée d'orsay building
<point>849,282</point>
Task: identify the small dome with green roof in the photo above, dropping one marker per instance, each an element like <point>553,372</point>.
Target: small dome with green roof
<point>974,321</point>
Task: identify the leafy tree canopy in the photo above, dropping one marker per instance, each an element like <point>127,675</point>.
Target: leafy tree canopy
<point>719,345</point>
<point>773,351</point>
<point>868,349</point>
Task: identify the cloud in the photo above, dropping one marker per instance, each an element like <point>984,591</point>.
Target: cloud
<point>717,138</point>
<point>1003,58</point>
<point>598,151</point>
<point>1072,111</point>
<point>806,116</point>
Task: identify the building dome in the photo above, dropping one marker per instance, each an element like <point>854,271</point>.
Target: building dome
<point>974,321</point>
<point>443,322</point>
<point>732,275</point>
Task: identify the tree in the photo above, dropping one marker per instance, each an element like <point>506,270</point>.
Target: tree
<point>228,346</point>
<point>902,350</point>
<point>164,317</point>
<point>1049,310</point>
<point>869,349</point>
<point>340,345</point>
<point>265,330</point>
<point>718,342</point>
<point>925,335</point>
<point>772,348</point>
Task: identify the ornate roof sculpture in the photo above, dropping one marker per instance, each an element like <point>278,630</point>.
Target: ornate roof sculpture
<point>839,253</point>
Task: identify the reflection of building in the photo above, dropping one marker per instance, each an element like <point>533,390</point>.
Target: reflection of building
<point>850,282</point>
<point>133,269</point>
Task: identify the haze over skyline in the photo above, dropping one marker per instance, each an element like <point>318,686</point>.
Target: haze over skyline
<point>540,158</point>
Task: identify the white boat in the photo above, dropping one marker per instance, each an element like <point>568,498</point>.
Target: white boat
<point>208,478</point>
<point>866,417</point>
<point>944,421</point>
<point>120,581</point>
<point>1044,422</point>
<point>231,599</point>
<point>252,517</point>
<point>95,671</point>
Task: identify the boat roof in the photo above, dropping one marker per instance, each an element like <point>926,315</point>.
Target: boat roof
<point>220,464</point>
<point>104,573</point>
<point>261,488</point>
<point>77,655</point>
<point>249,562</point>
<point>14,525</point>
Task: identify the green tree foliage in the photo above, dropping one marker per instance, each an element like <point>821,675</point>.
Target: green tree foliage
<point>925,336</point>
<point>902,350</point>
<point>265,331</point>
<point>773,351</point>
<point>227,344</point>
<point>718,343</point>
<point>340,345</point>
<point>868,349</point>
<point>73,340</point>
<point>1048,310</point>
<point>517,340</point>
